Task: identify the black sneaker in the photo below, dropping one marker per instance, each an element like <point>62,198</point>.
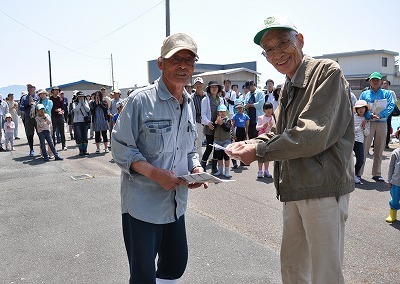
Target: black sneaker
<point>58,158</point>
<point>378,178</point>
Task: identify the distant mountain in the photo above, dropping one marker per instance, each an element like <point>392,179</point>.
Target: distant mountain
<point>14,89</point>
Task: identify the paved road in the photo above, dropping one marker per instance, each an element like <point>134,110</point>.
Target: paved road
<point>55,229</point>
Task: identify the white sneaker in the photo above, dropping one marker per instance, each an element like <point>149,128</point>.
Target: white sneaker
<point>357,180</point>
<point>260,174</point>
<point>267,174</point>
<point>218,173</point>
<point>106,150</point>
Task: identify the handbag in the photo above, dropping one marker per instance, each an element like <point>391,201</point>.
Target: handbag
<point>396,110</point>
<point>86,118</point>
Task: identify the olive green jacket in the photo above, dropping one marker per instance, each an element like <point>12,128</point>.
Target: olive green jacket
<point>312,145</point>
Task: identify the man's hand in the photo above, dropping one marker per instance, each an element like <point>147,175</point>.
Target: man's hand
<point>210,125</point>
<point>242,151</point>
<point>168,179</point>
<point>375,116</point>
<point>196,185</point>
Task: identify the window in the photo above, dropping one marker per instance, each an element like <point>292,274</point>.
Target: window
<point>384,61</point>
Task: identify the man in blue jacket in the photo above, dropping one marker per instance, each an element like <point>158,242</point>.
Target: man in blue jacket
<point>382,105</point>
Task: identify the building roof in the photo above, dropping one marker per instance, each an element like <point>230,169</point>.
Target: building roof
<point>79,83</point>
<point>227,72</point>
<point>356,53</point>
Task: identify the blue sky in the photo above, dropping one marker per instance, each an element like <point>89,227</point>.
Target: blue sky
<point>81,35</point>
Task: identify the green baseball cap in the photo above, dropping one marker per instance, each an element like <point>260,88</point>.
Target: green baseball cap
<point>278,22</point>
<point>375,75</point>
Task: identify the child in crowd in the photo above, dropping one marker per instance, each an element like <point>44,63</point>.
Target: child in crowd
<point>43,122</point>
<point>264,125</point>
<point>222,137</point>
<point>394,183</point>
<point>240,125</point>
<point>119,106</point>
<point>361,129</point>
<point>9,127</point>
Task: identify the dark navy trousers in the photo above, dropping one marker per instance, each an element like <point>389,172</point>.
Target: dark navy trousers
<point>144,241</point>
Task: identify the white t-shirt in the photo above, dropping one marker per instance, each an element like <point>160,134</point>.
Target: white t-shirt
<point>231,95</point>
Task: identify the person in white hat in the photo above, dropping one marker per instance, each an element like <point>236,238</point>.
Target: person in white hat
<point>361,129</point>
<point>198,96</point>
<point>9,127</point>
<point>312,147</point>
<point>3,111</point>
<point>43,122</point>
<point>81,117</point>
<point>153,143</point>
<point>113,108</point>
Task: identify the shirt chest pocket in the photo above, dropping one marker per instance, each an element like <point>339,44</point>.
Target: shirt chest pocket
<point>158,136</point>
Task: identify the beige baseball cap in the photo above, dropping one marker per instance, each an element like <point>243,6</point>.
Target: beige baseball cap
<point>176,42</point>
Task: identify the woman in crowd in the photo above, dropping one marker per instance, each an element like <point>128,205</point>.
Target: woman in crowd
<point>80,110</point>
<point>99,111</point>
<point>209,106</point>
<point>13,109</point>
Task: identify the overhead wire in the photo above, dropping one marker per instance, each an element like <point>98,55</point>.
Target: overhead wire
<point>93,42</point>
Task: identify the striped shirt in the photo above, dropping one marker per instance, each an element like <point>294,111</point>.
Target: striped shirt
<point>359,132</point>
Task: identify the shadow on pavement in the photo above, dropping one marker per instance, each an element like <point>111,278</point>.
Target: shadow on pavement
<point>372,185</point>
<point>396,225</point>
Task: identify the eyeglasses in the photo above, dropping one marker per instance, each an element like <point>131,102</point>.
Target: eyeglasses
<point>282,46</point>
<point>178,60</point>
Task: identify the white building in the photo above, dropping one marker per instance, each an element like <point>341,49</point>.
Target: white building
<point>358,65</point>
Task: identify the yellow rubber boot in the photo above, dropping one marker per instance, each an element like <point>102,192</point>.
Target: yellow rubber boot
<point>392,216</point>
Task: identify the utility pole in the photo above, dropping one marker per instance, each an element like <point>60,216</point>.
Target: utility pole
<point>51,83</point>
<point>167,32</point>
<point>112,72</point>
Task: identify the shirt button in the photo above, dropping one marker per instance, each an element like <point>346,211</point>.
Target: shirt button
<point>177,148</point>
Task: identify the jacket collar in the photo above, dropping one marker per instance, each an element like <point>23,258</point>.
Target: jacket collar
<point>302,75</point>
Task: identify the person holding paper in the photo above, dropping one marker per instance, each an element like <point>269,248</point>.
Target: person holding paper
<point>153,142</point>
<point>382,104</point>
<point>312,146</point>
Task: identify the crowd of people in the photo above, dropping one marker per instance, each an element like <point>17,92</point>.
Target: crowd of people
<point>309,127</point>
<point>47,114</point>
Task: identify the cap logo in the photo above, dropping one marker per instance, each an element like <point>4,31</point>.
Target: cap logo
<point>269,21</point>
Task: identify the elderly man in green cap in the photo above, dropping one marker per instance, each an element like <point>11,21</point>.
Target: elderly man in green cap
<point>312,149</point>
<point>382,105</point>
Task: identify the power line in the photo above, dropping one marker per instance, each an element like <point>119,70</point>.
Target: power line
<point>93,42</point>
<point>134,19</point>
<point>49,39</point>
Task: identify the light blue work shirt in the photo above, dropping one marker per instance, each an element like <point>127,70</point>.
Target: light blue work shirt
<point>370,96</point>
<point>153,127</point>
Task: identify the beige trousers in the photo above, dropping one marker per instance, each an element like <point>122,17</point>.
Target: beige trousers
<point>313,240</point>
<point>199,139</point>
<point>378,134</point>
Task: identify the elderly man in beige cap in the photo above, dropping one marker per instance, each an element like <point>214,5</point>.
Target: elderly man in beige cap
<point>313,152</point>
<point>153,143</point>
